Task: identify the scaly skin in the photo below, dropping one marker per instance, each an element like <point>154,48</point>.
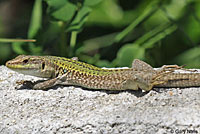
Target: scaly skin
<point>66,71</point>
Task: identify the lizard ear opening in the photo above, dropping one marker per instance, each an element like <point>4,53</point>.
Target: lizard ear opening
<point>43,66</point>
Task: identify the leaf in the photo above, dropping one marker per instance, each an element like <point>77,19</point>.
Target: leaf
<point>80,19</point>
<point>103,63</point>
<point>146,13</point>
<point>65,13</point>
<point>176,8</point>
<point>55,4</point>
<point>128,53</point>
<point>151,33</point>
<point>95,43</point>
<point>17,48</point>
<point>36,19</point>
<point>192,29</point>
<point>35,49</point>
<point>91,2</point>
<point>36,22</point>
<point>159,36</point>
<point>190,57</point>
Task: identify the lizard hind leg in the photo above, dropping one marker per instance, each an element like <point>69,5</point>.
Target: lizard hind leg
<point>158,82</point>
<point>176,67</point>
<point>165,70</point>
<point>147,72</point>
<point>161,77</point>
<point>148,85</point>
<point>149,79</point>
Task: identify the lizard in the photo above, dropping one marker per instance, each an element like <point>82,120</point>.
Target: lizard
<point>65,71</point>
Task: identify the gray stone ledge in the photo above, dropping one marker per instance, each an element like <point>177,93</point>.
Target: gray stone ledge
<point>72,109</point>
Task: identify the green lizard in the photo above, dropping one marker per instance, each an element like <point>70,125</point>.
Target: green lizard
<point>66,71</point>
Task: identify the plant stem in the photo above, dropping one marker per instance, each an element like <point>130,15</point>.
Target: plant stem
<point>16,40</point>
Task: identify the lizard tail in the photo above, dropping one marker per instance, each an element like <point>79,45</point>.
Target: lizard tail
<point>180,80</point>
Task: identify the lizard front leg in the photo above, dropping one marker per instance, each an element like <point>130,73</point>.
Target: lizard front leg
<point>46,84</point>
<point>63,79</point>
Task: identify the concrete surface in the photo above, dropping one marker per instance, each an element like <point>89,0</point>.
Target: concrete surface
<point>69,109</point>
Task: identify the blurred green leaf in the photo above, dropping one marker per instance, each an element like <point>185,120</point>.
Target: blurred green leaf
<point>36,19</point>
<point>128,53</point>
<point>150,43</point>
<point>152,7</point>
<point>175,8</point>
<point>150,34</point>
<point>65,13</point>
<point>35,49</point>
<point>18,48</point>
<point>35,24</point>
<point>80,19</point>
<point>95,43</point>
<point>190,58</point>
<point>193,29</point>
<point>55,4</point>
<point>106,12</point>
<point>103,63</point>
<point>196,10</point>
<point>76,26</point>
<point>91,2</point>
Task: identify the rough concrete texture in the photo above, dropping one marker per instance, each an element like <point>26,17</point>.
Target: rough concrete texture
<point>69,109</point>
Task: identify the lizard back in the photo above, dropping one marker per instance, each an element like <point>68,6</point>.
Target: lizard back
<point>80,73</point>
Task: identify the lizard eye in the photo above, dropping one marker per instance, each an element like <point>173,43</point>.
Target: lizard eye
<point>25,61</point>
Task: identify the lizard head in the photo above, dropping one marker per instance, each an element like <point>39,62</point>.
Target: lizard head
<point>30,65</point>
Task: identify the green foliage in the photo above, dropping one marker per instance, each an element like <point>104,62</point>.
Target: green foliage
<point>36,19</point>
<point>73,14</point>
<point>129,52</point>
<point>5,51</point>
<point>136,50</point>
<point>152,7</point>
<point>35,24</point>
<point>64,13</point>
<point>190,58</point>
<point>113,32</point>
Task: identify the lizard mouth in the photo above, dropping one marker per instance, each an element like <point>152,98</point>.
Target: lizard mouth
<point>28,69</point>
<point>14,66</point>
<point>10,65</point>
